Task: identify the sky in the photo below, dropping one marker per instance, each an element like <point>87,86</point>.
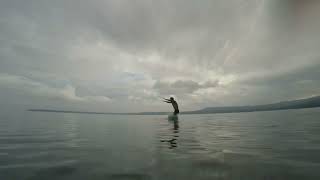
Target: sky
<point>124,55</point>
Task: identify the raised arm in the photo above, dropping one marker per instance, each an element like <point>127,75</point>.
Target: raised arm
<point>167,100</point>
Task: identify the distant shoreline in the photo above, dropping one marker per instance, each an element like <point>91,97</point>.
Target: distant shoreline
<point>313,102</point>
<point>82,112</point>
<point>155,113</point>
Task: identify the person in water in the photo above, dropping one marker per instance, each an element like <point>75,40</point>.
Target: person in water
<point>174,104</point>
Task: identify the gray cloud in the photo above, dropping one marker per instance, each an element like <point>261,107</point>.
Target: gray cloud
<point>24,85</point>
<point>183,87</point>
<point>206,53</point>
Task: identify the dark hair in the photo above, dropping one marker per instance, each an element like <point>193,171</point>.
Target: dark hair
<point>171,98</point>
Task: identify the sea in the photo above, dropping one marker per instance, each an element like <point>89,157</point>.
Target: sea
<point>277,145</point>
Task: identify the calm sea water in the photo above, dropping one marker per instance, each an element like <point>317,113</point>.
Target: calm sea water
<point>264,145</point>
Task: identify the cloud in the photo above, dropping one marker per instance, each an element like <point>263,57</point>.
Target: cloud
<point>34,88</point>
<point>206,53</point>
<point>183,86</point>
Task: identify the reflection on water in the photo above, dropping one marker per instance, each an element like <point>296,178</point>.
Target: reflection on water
<point>257,146</point>
<point>173,142</point>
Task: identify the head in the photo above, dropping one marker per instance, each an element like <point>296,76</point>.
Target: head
<point>171,98</point>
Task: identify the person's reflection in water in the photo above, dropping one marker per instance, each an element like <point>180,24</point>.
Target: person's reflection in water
<point>173,141</point>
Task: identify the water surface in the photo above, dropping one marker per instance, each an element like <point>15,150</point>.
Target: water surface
<point>263,145</point>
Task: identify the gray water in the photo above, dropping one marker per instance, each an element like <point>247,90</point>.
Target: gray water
<point>264,145</point>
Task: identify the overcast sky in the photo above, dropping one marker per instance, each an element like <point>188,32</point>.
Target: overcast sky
<point>123,55</point>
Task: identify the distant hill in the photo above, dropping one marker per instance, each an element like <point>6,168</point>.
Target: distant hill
<point>295,104</point>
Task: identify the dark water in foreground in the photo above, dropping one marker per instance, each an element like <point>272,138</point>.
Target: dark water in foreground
<point>266,145</point>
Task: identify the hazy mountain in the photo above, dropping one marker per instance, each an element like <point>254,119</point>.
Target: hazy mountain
<point>296,104</point>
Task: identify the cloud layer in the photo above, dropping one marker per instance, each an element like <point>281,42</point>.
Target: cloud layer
<point>125,55</point>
